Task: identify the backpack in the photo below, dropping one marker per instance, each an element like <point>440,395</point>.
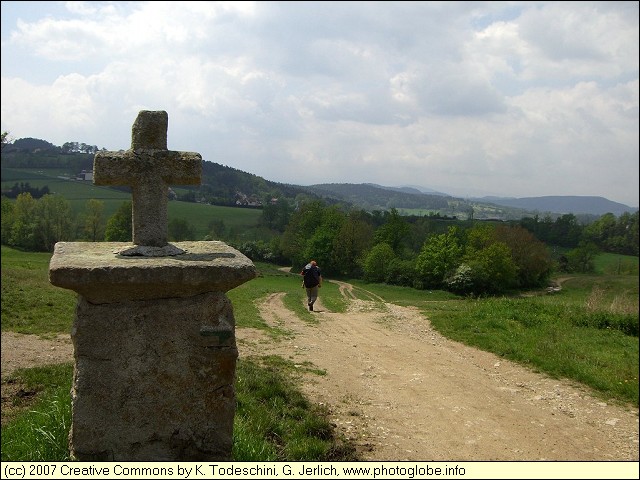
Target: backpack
<point>311,276</point>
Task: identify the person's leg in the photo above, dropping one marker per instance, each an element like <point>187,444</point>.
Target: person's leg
<point>312,296</point>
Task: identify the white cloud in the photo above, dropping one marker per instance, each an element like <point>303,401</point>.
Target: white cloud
<point>512,98</point>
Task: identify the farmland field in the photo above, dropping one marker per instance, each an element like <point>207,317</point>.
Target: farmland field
<point>239,221</point>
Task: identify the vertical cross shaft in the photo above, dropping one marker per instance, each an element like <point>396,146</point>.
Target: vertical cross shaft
<point>148,168</point>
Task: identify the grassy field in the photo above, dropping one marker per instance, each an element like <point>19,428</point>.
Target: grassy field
<point>75,192</point>
<point>30,304</point>
<point>586,332</point>
<point>612,264</point>
<point>239,223</point>
<point>273,422</point>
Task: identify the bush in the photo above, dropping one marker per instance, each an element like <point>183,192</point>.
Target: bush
<point>461,281</point>
<point>376,262</point>
<point>400,272</point>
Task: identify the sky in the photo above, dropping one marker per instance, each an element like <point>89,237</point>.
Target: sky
<point>513,99</point>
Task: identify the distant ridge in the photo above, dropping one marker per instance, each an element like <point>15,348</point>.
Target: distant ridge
<point>224,185</point>
<point>563,204</point>
<point>371,195</point>
<point>411,189</point>
<point>376,197</point>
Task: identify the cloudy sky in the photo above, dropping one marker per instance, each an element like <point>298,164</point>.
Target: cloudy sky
<point>468,98</point>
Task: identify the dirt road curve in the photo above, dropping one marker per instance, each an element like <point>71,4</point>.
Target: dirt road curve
<point>401,391</point>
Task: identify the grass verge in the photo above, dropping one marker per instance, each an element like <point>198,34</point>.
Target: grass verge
<point>273,422</point>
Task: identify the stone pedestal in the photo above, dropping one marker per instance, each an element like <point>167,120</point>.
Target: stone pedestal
<point>154,348</point>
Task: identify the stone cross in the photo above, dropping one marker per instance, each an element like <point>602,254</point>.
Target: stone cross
<point>154,332</point>
<point>148,168</point>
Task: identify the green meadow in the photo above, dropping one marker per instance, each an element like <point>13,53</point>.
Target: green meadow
<point>239,223</point>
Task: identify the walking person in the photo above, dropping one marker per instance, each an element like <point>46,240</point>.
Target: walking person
<point>312,281</point>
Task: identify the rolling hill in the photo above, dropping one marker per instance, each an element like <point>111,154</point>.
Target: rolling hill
<point>223,185</point>
<point>563,204</point>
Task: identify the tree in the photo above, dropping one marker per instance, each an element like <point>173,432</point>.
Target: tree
<point>94,220</point>
<point>320,248</point>
<point>461,280</point>
<point>301,228</point>
<point>119,225</point>
<point>492,269</point>
<point>440,255</point>
<point>68,147</point>
<point>4,140</point>
<point>602,229</point>
<point>351,242</point>
<point>393,232</point>
<point>217,229</point>
<point>54,221</point>
<point>276,215</point>
<point>320,245</point>
<point>581,259</point>
<point>23,229</point>
<point>401,272</point>
<point>179,230</point>
<point>376,261</point>
<point>480,236</point>
<point>7,218</point>
<point>530,255</point>
<point>614,235</point>
<point>629,224</point>
<point>565,231</point>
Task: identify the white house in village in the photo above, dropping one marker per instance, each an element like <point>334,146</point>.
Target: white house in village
<point>84,175</point>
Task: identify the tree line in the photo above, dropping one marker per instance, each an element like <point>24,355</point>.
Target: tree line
<point>466,257</point>
<point>30,145</point>
<point>25,187</point>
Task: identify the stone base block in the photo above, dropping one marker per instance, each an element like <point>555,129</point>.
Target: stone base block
<point>154,380</point>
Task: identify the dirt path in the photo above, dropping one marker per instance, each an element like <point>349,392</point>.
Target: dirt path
<point>401,391</point>
<point>25,351</point>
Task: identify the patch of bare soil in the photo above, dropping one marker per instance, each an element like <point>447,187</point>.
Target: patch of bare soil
<point>26,351</point>
<point>401,391</point>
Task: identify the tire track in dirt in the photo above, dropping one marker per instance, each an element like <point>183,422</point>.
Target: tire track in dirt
<point>401,391</point>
